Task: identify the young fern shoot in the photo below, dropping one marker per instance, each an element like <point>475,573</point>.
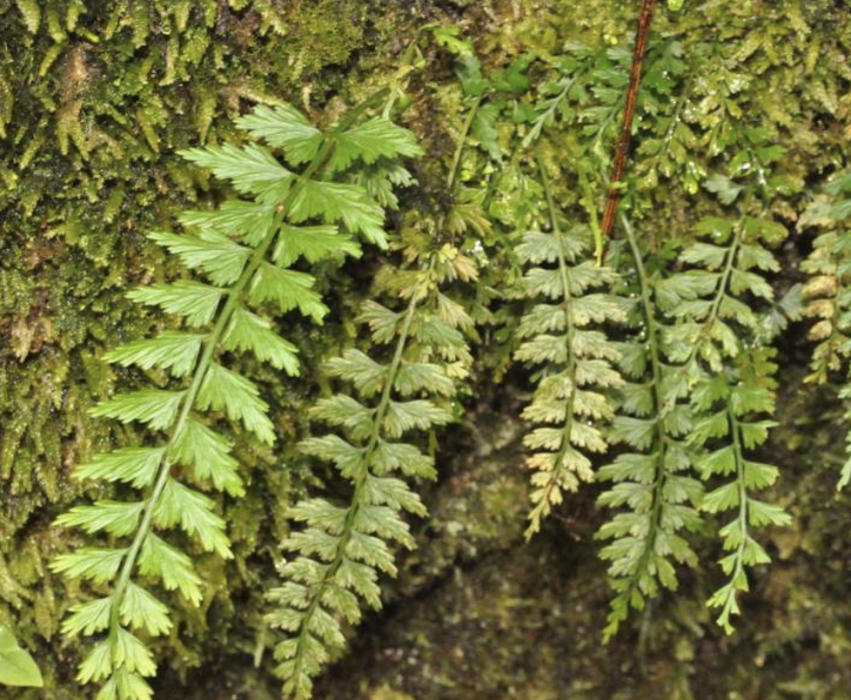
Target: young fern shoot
<point>245,250</point>
<point>570,400</point>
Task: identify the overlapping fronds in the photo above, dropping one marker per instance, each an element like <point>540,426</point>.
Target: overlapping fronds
<point>404,384</point>
<point>243,252</point>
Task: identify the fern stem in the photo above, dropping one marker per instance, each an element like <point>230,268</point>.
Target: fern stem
<point>558,469</point>
<point>599,247</point>
<point>722,290</point>
<point>676,117</point>
<point>459,149</point>
<point>622,152</point>
<point>653,333</point>
<point>743,492</point>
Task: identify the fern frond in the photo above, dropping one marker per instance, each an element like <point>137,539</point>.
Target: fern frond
<point>284,127</point>
<point>576,362</point>
<point>248,220</point>
<point>728,374</point>
<point>194,301</point>
<point>372,140</point>
<point>828,293</point>
<point>733,404</point>
<point>171,350</point>
<point>342,549</point>
<point>651,479</point>
<point>249,273</point>
<point>217,255</point>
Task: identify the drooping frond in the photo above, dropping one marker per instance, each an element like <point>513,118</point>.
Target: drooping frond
<point>728,374</point>
<point>343,547</point>
<point>651,484</point>
<point>403,386</point>
<point>562,335</point>
<point>828,292</point>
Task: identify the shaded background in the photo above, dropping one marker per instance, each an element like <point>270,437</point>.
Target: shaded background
<point>95,99</point>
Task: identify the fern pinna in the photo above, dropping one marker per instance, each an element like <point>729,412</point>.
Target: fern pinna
<point>343,547</point>
<point>245,249</point>
<point>828,292</point>
<point>570,401</point>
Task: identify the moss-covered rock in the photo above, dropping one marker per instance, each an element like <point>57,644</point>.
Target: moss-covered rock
<point>95,100</point>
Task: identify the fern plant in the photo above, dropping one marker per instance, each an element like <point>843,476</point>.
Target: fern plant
<point>709,348</point>
<point>682,339</point>
<point>245,249</point>
<point>731,386</point>
<point>652,477</point>
<point>407,384</point>
<point>343,547</point>
<point>570,402</point>
<point>828,292</point>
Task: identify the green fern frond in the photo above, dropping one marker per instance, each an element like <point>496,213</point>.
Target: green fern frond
<point>708,403</point>
<point>828,293</point>
<point>245,278</point>
<point>731,427</point>
<point>651,480</point>
<point>342,549</point>
<point>728,375</point>
<point>651,486</point>
<point>570,403</point>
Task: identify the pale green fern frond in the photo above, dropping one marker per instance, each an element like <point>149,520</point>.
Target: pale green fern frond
<point>561,334</point>
<point>343,547</point>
